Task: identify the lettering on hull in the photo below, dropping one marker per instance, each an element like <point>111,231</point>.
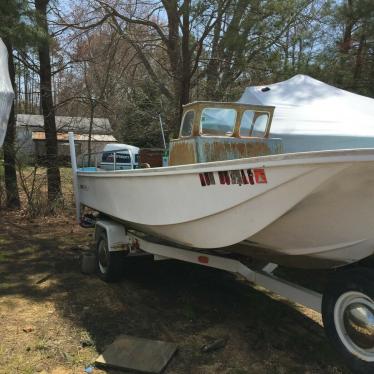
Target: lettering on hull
<point>238,177</point>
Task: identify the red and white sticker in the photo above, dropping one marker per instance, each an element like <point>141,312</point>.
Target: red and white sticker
<point>239,177</point>
<point>260,175</point>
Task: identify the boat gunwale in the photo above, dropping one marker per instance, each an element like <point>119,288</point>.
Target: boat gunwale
<point>279,160</point>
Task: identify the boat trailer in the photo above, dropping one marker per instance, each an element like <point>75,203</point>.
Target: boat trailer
<point>346,304</point>
<point>134,244</point>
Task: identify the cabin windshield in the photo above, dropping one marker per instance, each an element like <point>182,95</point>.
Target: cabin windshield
<point>218,121</point>
<point>229,120</point>
<point>254,123</point>
<point>187,123</point>
<point>260,124</point>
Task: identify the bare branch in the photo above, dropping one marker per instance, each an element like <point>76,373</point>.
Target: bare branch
<point>143,58</point>
<point>138,21</point>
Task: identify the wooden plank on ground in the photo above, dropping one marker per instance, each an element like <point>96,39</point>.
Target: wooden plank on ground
<point>128,352</point>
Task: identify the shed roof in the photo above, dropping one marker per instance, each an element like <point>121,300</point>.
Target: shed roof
<point>40,135</point>
<point>65,124</point>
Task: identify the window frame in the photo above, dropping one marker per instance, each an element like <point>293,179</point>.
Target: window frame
<point>193,123</point>
<point>218,108</point>
<point>257,114</point>
<point>118,153</point>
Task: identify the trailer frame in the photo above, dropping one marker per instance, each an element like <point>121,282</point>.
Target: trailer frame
<point>135,244</point>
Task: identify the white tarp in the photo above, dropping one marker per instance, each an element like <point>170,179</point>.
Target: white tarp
<point>6,92</point>
<point>311,115</point>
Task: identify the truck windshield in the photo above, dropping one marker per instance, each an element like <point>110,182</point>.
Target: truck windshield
<point>122,157</point>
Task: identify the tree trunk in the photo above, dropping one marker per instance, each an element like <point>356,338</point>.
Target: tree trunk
<point>348,27</point>
<point>175,58</point>
<point>89,145</point>
<point>26,91</point>
<point>359,62</point>
<point>11,188</point>
<point>212,73</point>
<point>186,59</point>
<point>53,172</point>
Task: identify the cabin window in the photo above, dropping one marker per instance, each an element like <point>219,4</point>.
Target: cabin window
<point>254,124</point>
<point>218,121</point>
<point>187,123</point>
<point>246,123</point>
<point>260,125</point>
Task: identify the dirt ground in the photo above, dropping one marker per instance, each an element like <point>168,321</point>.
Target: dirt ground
<point>56,320</point>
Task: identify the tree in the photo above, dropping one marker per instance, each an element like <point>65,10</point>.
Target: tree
<point>256,41</point>
<point>109,77</point>
<point>184,50</point>
<point>213,44</point>
<point>46,98</point>
<point>183,47</point>
<point>10,174</point>
<point>356,46</point>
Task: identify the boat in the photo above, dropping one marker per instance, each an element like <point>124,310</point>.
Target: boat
<point>230,194</point>
<point>6,92</point>
<point>229,186</point>
<point>314,116</point>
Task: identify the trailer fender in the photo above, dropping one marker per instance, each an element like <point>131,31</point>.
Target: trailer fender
<point>116,233</point>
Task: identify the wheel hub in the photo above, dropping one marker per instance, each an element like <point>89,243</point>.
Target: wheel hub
<point>354,321</point>
<point>359,324</point>
<point>103,257</point>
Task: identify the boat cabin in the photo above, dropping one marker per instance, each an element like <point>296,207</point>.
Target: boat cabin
<point>213,131</point>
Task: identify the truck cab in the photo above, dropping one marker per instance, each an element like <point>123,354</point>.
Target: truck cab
<point>119,157</point>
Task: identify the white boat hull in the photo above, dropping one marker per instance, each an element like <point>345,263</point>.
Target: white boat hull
<point>302,206</point>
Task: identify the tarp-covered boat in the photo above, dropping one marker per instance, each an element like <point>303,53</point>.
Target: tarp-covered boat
<point>311,115</point>
<point>6,92</point>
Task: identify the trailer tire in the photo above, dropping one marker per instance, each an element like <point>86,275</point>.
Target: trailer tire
<point>109,264</point>
<point>348,317</point>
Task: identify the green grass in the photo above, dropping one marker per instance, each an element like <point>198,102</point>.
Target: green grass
<point>3,257</point>
<point>4,241</point>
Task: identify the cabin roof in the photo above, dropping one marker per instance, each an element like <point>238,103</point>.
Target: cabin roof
<point>227,104</point>
<point>40,135</point>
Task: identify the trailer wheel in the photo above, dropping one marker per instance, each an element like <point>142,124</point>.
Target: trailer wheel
<point>348,317</point>
<point>109,264</point>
